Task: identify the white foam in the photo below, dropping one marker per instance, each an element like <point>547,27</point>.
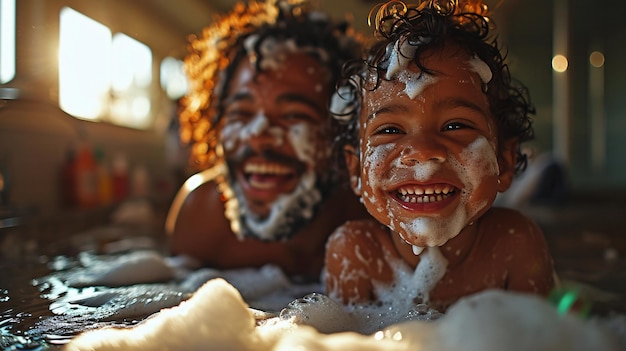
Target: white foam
<point>481,68</point>
<point>216,318</point>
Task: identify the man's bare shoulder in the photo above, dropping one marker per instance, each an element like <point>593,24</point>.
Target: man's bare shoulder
<point>197,195</point>
<point>196,222</point>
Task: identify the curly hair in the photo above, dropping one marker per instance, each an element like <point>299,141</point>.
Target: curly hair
<point>215,55</point>
<point>427,25</point>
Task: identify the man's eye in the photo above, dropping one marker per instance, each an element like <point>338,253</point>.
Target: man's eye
<point>238,115</point>
<point>388,130</point>
<point>299,117</point>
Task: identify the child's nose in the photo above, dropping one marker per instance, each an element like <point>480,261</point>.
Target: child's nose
<point>422,150</point>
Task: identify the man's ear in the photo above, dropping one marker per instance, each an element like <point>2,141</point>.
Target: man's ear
<point>354,168</point>
<point>506,163</point>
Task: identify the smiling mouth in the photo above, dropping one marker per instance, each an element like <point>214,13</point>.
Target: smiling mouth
<point>425,194</point>
<point>267,175</point>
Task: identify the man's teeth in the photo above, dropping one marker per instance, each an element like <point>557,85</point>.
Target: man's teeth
<point>267,168</point>
<point>417,250</point>
<point>427,194</point>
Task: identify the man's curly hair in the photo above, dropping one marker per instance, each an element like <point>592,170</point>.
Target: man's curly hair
<point>426,25</point>
<point>215,55</point>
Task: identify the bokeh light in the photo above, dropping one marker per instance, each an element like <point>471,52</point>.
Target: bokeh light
<point>559,63</point>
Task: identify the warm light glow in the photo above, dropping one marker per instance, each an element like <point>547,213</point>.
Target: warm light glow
<point>173,79</point>
<point>84,65</point>
<point>559,63</point>
<point>132,77</point>
<point>103,77</point>
<point>193,182</point>
<point>140,110</point>
<point>131,111</point>
<point>7,40</point>
<point>132,63</point>
<point>596,59</point>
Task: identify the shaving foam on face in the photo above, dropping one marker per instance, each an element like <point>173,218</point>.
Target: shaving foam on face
<point>305,197</point>
<point>401,54</point>
<point>274,52</point>
<point>475,164</point>
<point>303,137</point>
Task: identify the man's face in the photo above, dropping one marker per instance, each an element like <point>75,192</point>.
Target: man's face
<point>275,141</point>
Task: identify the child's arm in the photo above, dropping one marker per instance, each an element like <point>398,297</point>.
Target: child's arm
<point>354,258</point>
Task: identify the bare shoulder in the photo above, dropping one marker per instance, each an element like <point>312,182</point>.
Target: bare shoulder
<point>194,190</point>
<point>368,232</point>
<point>509,223</point>
<point>355,258</point>
<point>519,244</point>
<point>359,243</point>
<point>196,220</point>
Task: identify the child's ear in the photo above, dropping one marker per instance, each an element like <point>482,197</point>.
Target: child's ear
<point>506,162</point>
<point>354,168</point>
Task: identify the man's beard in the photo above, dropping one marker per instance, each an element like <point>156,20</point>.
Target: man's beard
<point>288,213</point>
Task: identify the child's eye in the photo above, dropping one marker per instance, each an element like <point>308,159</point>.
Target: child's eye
<point>456,126</point>
<point>388,130</point>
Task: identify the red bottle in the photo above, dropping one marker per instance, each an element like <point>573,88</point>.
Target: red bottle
<point>86,178</point>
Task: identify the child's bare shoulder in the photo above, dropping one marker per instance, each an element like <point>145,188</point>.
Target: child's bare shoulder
<point>519,242</point>
<point>510,230</point>
<point>361,231</point>
<point>499,219</point>
<point>361,242</point>
<point>356,255</point>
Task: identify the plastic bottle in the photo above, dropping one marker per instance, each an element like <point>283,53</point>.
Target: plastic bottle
<point>120,178</point>
<point>68,180</point>
<point>86,178</point>
<point>104,179</point>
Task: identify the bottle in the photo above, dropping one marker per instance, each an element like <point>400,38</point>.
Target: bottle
<point>120,178</point>
<point>86,178</point>
<point>68,180</point>
<point>104,179</point>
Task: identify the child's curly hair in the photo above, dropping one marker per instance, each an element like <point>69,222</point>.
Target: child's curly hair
<point>426,25</point>
<point>215,55</point>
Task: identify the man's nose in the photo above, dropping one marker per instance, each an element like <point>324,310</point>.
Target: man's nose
<point>261,134</point>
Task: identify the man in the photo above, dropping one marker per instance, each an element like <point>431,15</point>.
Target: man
<point>258,121</point>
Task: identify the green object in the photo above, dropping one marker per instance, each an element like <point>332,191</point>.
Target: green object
<point>570,301</point>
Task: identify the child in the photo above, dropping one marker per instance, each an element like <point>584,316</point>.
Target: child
<point>432,136</point>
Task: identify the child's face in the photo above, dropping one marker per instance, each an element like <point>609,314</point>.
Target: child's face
<point>429,162</point>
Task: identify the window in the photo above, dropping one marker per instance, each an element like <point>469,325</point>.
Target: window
<point>84,65</point>
<point>103,77</point>
<point>7,40</point>
<point>173,79</point>
<point>131,79</point>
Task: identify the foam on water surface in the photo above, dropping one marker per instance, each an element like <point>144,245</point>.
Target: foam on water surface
<point>216,317</point>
